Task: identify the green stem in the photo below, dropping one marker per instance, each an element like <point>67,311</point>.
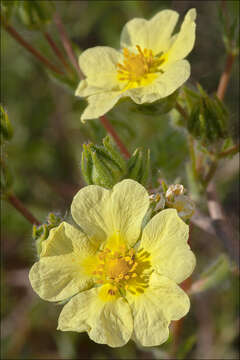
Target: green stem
<point>192,156</point>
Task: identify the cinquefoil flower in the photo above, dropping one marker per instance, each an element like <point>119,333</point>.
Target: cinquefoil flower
<point>120,287</point>
<point>148,67</point>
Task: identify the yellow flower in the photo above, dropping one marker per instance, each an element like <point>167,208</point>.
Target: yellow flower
<point>148,67</point>
<point>122,281</point>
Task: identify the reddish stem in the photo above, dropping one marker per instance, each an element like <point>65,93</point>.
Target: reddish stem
<point>21,208</point>
<point>56,50</point>
<point>224,79</point>
<point>67,43</point>
<point>29,48</point>
<point>233,150</point>
<point>109,128</point>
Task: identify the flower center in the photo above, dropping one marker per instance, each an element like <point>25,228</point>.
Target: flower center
<point>140,68</point>
<point>123,269</point>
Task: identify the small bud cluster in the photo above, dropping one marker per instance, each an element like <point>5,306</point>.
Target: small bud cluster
<point>105,166</point>
<point>173,197</point>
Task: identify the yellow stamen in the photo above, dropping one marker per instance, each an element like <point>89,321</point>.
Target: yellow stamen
<point>139,68</point>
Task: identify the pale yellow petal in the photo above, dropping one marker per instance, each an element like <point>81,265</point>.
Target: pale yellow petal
<point>160,28</point>
<point>66,239</point>
<point>135,32</point>
<point>106,322</point>
<point>173,300</point>
<point>173,77</point>
<point>185,39</point>
<point>130,202</point>
<point>57,278</point>
<point>99,65</point>
<point>153,34</point>
<point>91,211</point>
<point>150,326</point>
<point>84,89</point>
<point>153,310</point>
<point>59,273</point>
<point>102,213</point>
<point>165,238</point>
<point>99,104</point>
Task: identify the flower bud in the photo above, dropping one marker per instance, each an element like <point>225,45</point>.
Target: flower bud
<point>208,118</point>
<point>182,203</point>
<point>157,201</point>
<point>35,14</point>
<point>174,190</point>
<point>139,166</point>
<point>102,165</point>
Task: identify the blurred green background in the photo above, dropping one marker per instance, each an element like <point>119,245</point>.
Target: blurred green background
<point>44,157</point>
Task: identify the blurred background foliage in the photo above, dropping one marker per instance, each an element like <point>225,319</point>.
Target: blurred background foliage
<point>44,159</point>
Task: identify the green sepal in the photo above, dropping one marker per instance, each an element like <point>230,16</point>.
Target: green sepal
<point>208,117</point>
<point>6,129</point>
<point>86,164</point>
<point>164,186</point>
<point>116,156</point>
<point>101,174</point>
<point>138,167</point>
<point>158,107</point>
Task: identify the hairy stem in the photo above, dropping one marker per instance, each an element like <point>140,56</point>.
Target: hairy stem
<point>109,128</point>
<point>14,201</point>
<point>57,51</point>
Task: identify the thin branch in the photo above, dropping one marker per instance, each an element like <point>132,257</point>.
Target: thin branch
<point>56,50</point>
<point>219,221</point>
<point>109,128</point>
<point>30,48</point>
<point>211,172</point>
<point>231,151</point>
<point>12,199</point>
<point>181,110</point>
<point>225,77</point>
<point>67,43</point>
<point>222,228</point>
